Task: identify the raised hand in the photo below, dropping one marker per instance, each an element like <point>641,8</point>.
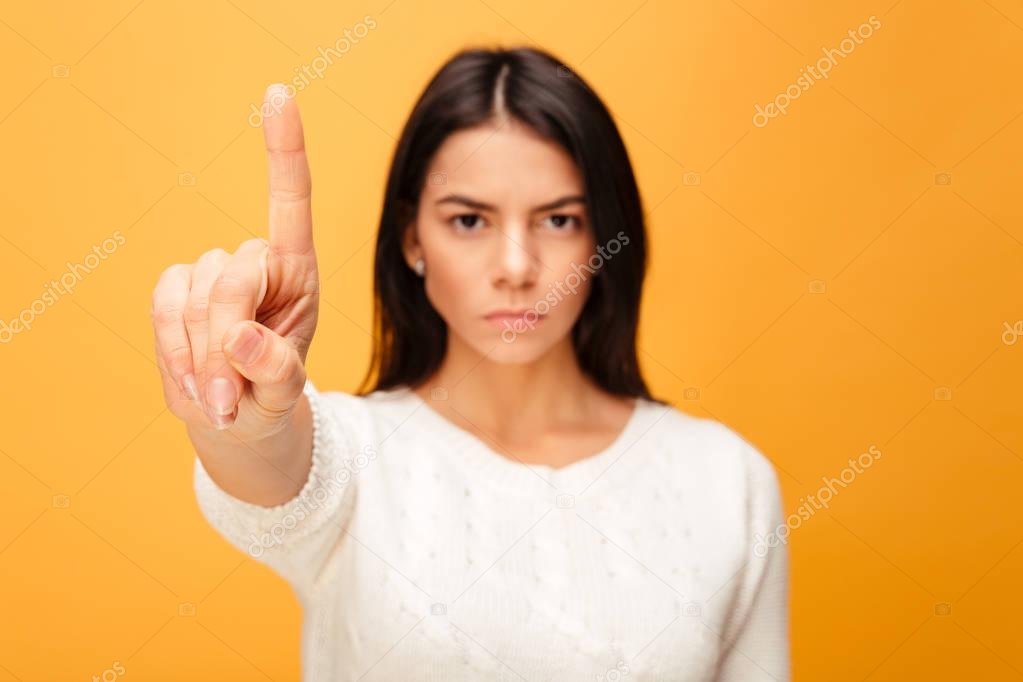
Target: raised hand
<point>233,330</point>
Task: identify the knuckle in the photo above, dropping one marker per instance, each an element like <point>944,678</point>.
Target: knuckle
<point>214,350</point>
<point>165,315</point>
<point>281,367</point>
<point>178,269</point>
<point>214,255</point>
<point>291,191</point>
<point>254,244</point>
<point>229,287</point>
<point>172,273</point>
<point>197,311</point>
<point>178,359</point>
<point>172,281</point>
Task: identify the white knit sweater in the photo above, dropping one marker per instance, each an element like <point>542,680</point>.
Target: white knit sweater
<point>420,553</point>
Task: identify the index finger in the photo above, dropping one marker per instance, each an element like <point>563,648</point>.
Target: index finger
<point>291,222</point>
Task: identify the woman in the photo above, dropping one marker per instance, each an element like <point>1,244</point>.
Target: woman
<point>505,500</point>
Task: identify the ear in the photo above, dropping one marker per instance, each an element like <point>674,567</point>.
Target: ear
<point>410,245</point>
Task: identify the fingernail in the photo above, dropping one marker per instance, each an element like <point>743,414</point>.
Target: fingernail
<point>246,344</point>
<point>190,387</point>
<point>223,421</point>
<point>221,396</point>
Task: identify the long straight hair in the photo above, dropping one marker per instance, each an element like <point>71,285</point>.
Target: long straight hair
<point>534,88</point>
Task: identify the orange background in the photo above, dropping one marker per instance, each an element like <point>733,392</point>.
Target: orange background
<point>918,279</point>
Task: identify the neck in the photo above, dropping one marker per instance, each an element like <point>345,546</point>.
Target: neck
<point>507,397</point>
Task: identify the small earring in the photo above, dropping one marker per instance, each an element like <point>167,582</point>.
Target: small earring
<point>420,266</point>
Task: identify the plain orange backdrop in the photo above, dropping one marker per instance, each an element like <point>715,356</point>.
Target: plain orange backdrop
<point>105,106</point>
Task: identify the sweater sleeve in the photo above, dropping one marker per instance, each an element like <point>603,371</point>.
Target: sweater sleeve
<point>296,537</point>
<point>757,648</point>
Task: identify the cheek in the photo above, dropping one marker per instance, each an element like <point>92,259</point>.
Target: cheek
<point>571,296</point>
<point>572,269</point>
<point>448,283</point>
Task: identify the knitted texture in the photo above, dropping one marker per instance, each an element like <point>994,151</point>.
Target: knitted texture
<point>421,552</point>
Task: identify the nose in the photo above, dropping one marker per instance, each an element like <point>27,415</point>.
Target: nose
<point>517,262</point>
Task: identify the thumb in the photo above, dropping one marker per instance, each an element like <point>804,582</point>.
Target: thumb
<point>269,362</point>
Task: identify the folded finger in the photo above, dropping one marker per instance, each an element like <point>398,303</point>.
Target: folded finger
<point>204,273</point>
<point>168,315</point>
<point>234,297</point>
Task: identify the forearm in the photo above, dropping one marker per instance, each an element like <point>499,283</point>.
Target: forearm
<point>264,472</point>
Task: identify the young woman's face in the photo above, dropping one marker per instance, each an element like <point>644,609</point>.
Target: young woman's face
<point>502,221</point>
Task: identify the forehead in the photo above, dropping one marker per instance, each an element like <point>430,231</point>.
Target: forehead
<point>497,163</point>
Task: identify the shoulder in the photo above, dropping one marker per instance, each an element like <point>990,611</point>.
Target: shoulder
<point>352,419</point>
<point>715,457</point>
<point>369,418</point>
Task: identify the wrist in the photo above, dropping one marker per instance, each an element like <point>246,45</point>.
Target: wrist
<point>273,437</point>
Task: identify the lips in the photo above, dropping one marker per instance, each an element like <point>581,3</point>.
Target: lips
<point>515,318</point>
<point>510,315</point>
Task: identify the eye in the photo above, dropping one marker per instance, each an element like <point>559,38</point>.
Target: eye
<point>466,222</point>
<point>562,222</point>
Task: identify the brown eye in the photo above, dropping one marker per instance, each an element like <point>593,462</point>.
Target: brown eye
<point>562,222</point>
<point>467,221</point>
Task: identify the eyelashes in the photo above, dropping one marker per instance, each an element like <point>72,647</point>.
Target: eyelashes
<point>562,222</point>
<point>573,219</point>
<point>456,222</point>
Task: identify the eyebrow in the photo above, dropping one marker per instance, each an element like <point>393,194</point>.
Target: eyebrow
<point>482,206</point>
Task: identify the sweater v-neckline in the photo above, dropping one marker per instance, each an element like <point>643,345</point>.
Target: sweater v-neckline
<point>573,477</point>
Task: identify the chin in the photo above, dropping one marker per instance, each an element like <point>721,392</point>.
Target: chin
<point>520,352</point>
<point>526,347</point>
